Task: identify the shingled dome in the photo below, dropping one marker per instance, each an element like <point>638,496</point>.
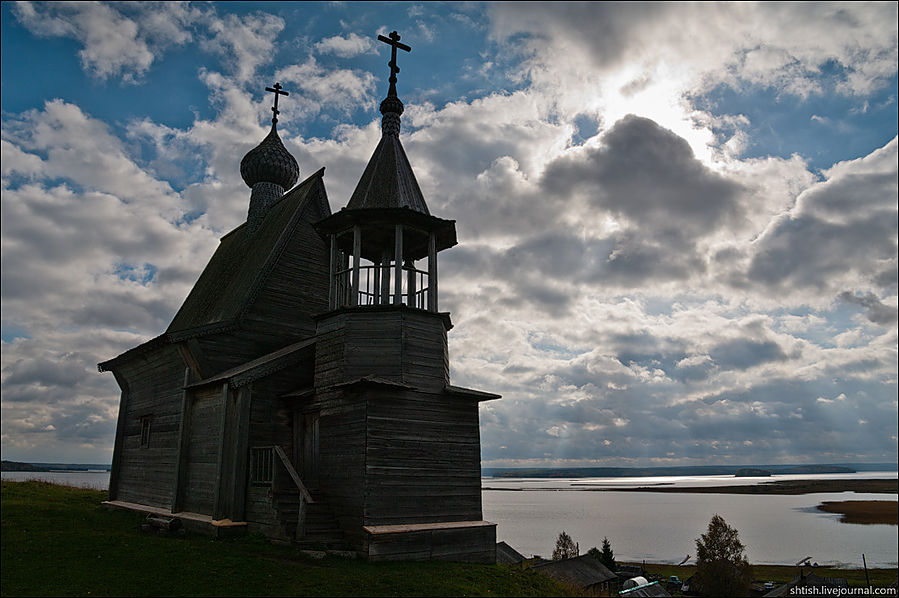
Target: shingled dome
<point>270,162</point>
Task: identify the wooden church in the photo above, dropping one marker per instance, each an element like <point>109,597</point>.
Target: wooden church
<point>302,390</point>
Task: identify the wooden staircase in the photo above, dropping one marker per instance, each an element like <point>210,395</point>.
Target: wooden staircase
<point>319,530</point>
<point>304,520</point>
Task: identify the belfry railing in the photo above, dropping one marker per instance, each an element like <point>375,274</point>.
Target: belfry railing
<point>377,288</point>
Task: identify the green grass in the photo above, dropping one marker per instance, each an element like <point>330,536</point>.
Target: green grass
<point>59,541</point>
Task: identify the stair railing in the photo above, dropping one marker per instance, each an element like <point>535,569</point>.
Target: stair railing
<point>305,497</point>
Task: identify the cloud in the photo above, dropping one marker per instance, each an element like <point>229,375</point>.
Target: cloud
<point>243,41</point>
<point>346,46</point>
<point>841,233</point>
<point>636,290</point>
<point>114,44</point>
<point>344,89</point>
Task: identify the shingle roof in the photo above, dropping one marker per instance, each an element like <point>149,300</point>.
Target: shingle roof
<point>388,180</point>
<point>232,277</point>
<point>507,555</point>
<point>580,572</point>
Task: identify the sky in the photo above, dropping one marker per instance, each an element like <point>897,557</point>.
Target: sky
<point>677,222</point>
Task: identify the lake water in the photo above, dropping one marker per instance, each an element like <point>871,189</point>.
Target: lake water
<point>98,480</point>
<point>653,526</point>
<point>663,527</point>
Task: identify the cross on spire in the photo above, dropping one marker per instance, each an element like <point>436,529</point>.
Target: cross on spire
<point>277,91</point>
<point>394,42</point>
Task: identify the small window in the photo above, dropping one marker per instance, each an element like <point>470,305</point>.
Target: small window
<point>145,431</point>
<point>261,466</point>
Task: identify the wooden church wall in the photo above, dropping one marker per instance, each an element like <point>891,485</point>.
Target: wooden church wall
<point>342,457</point>
<point>203,450</point>
<point>225,350</point>
<point>425,355</point>
<point>154,384</point>
<point>422,459</point>
<point>400,345</point>
<point>270,423</point>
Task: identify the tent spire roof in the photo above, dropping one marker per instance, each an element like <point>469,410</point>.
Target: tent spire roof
<point>388,180</point>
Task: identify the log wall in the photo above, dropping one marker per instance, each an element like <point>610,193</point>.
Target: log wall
<point>397,344</point>
<point>154,382</point>
<point>422,458</point>
<point>203,451</point>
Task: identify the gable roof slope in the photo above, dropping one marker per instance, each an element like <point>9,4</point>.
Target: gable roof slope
<point>239,266</point>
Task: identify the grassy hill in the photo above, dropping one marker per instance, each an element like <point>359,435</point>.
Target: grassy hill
<point>59,541</point>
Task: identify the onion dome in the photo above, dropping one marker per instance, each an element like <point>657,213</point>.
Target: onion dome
<point>270,162</point>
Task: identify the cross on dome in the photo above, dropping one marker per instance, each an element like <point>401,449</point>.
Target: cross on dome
<point>277,91</point>
<point>394,42</point>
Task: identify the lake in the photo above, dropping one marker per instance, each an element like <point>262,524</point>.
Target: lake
<point>657,527</point>
<point>663,527</point>
<point>98,480</point>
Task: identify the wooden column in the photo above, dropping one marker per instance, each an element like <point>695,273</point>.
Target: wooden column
<point>217,510</point>
<point>181,457</point>
<point>357,249</point>
<point>376,286</point>
<point>410,283</point>
<point>385,277</point>
<point>119,446</point>
<point>241,450</point>
<point>432,272</point>
<point>332,275</point>
<point>398,266</point>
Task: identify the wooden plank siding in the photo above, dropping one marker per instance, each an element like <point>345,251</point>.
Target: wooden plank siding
<point>401,345</point>
<point>154,381</point>
<point>470,544</point>
<point>204,451</point>
<point>422,458</point>
<point>342,458</point>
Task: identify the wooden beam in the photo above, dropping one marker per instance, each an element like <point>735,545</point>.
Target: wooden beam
<point>432,272</point>
<point>410,283</point>
<point>183,446</point>
<point>385,277</point>
<point>219,467</point>
<point>332,274</point>
<point>357,250</point>
<point>119,445</point>
<point>398,266</point>
<point>241,451</point>
<point>375,289</point>
<point>293,474</point>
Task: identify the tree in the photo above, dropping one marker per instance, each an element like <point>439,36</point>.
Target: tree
<point>721,566</point>
<point>605,556</point>
<point>565,548</point>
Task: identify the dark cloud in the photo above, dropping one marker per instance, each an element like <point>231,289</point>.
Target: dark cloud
<point>648,175</point>
<point>877,312</point>
<point>743,354</point>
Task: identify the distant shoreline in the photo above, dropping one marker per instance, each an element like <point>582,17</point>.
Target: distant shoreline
<point>884,486</point>
<point>876,486</point>
<point>864,512</point>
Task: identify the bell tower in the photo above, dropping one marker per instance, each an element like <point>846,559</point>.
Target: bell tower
<point>383,264</point>
<point>403,463</point>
